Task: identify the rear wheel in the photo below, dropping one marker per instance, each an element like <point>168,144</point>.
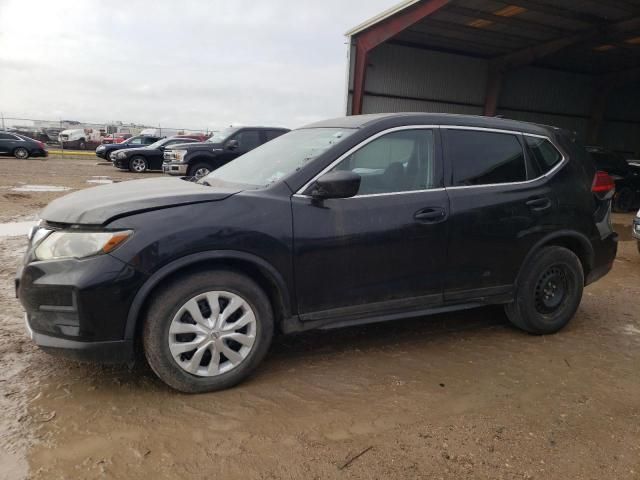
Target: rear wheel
<point>623,200</point>
<point>21,153</point>
<point>549,291</point>
<point>82,145</point>
<point>138,164</point>
<point>207,331</point>
<point>199,170</point>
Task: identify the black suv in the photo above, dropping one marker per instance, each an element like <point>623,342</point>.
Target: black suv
<point>353,220</point>
<point>626,176</point>
<point>21,147</point>
<point>199,159</point>
<point>105,151</point>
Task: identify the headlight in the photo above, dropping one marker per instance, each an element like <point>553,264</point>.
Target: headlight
<point>175,155</point>
<point>121,155</point>
<point>101,148</point>
<point>63,244</point>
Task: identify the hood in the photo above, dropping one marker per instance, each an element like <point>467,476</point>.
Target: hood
<point>99,205</point>
<point>134,150</point>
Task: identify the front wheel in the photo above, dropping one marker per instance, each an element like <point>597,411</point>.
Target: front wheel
<point>199,170</point>
<point>21,153</point>
<point>207,331</point>
<point>549,291</point>
<point>138,165</point>
<point>82,145</point>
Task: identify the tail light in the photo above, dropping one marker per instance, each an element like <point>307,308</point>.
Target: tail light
<point>602,183</point>
<point>41,145</point>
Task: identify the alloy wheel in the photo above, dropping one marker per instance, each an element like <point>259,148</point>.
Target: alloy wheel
<point>212,333</point>
<point>21,153</point>
<point>201,172</point>
<point>138,165</point>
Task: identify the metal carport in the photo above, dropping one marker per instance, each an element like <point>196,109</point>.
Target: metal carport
<point>574,64</point>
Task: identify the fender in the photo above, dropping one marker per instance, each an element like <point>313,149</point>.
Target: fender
<point>165,271</point>
<point>580,237</point>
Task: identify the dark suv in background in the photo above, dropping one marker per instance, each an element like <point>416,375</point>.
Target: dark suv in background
<point>626,176</point>
<point>352,220</point>
<point>199,159</point>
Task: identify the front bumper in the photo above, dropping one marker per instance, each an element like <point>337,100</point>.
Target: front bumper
<point>79,308</point>
<point>103,154</point>
<point>122,163</point>
<point>174,168</point>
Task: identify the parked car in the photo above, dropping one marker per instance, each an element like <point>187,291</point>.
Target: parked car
<point>115,138</point>
<point>141,159</point>
<point>20,146</point>
<point>105,151</point>
<point>626,176</point>
<point>636,229</point>
<point>199,159</point>
<point>347,221</point>
<point>80,138</point>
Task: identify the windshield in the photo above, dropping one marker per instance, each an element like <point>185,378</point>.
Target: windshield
<point>279,157</point>
<point>222,135</point>
<point>159,143</point>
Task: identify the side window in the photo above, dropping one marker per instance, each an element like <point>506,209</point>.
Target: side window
<point>271,134</point>
<point>544,156</point>
<point>6,136</point>
<point>248,139</point>
<point>396,162</point>
<point>149,140</point>
<point>136,141</point>
<point>485,158</point>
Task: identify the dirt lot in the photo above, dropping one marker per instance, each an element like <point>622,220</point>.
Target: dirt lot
<point>452,396</point>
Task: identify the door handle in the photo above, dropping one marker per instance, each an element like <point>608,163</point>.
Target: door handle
<point>539,204</point>
<point>430,215</point>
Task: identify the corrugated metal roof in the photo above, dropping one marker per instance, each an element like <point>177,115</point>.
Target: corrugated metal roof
<point>381,16</point>
<point>492,28</point>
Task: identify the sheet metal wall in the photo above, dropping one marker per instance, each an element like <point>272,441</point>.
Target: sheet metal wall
<point>401,78</point>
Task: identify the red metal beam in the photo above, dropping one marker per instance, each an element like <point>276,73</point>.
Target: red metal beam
<point>494,85</point>
<point>380,33</point>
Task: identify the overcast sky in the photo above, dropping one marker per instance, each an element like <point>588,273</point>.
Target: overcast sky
<point>187,63</point>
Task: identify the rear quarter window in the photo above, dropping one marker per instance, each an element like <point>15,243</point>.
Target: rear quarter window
<point>485,158</point>
<point>543,156</point>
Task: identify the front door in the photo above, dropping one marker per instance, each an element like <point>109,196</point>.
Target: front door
<point>383,249</point>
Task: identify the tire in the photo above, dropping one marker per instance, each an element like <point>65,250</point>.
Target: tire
<point>199,170</point>
<point>82,145</point>
<point>548,292</point>
<point>167,313</point>
<point>21,153</point>
<point>138,164</point>
<point>623,200</point>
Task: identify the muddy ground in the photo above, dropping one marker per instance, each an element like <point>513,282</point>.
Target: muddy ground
<point>451,396</point>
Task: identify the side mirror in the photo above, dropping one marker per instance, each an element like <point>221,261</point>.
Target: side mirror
<point>337,184</point>
<point>232,144</point>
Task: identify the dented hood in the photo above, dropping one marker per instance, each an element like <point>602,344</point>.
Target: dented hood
<point>100,205</point>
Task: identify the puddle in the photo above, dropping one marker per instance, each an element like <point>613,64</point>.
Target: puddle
<point>40,188</point>
<point>100,180</point>
<point>15,229</point>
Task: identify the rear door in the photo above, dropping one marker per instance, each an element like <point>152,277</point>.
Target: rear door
<point>383,250</point>
<point>498,208</point>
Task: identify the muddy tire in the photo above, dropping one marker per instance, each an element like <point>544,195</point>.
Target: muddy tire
<point>138,164</point>
<point>207,331</point>
<point>199,170</point>
<point>548,293</point>
<point>623,200</point>
<point>21,153</point>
